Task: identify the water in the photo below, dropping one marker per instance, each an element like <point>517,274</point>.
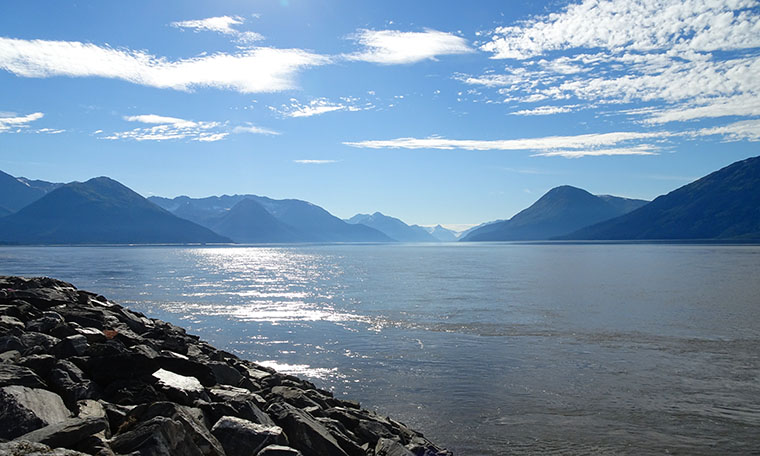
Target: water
<point>489,349</point>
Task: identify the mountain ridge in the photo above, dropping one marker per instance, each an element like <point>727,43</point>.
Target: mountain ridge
<point>99,211</point>
<point>559,211</point>
<point>724,204</point>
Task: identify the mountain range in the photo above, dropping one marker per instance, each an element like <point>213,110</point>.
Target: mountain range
<point>393,228</point>
<point>99,211</point>
<point>561,210</point>
<point>289,220</point>
<point>722,205</point>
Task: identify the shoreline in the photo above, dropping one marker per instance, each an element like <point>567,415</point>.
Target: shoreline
<point>80,372</point>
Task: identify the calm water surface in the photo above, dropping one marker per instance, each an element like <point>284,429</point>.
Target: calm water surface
<point>489,349</point>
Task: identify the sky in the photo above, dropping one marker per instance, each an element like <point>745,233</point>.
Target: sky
<point>435,112</point>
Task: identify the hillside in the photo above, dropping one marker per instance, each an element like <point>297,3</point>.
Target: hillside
<point>99,211</point>
<point>393,227</point>
<point>722,205</point>
<point>560,211</point>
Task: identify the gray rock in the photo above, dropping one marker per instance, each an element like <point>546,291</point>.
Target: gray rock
<point>11,374</point>
<point>278,450</point>
<point>159,436</point>
<point>47,321</point>
<point>67,433</point>
<point>192,419</point>
<point>388,447</point>
<point>295,397</point>
<point>225,374</point>
<point>70,382</point>
<point>11,342</point>
<point>25,409</point>
<point>11,356</point>
<point>38,343</point>
<point>91,409</point>
<point>40,364</point>
<point>93,335</point>
<point>8,322</point>
<point>240,437</point>
<point>71,346</point>
<point>22,447</point>
<point>179,388</point>
<point>304,432</point>
<point>245,403</point>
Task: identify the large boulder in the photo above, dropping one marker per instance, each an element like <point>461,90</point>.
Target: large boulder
<point>70,382</point>
<point>192,419</point>
<point>240,437</point>
<point>67,433</point>
<point>11,374</point>
<point>179,388</point>
<point>388,447</point>
<point>25,409</point>
<point>159,436</point>
<point>304,432</point>
<point>23,447</point>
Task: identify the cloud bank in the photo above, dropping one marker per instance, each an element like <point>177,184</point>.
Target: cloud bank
<point>164,128</point>
<point>615,143</point>
<point>686,59</point>
<point>253,70</point>
<point>389,47</point>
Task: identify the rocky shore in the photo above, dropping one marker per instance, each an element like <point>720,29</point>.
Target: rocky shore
<point>80,374</point>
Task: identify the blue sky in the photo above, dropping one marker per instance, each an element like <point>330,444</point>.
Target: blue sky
<point>431,111</point>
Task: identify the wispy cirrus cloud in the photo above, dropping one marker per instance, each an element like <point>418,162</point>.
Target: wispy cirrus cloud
<point>544,110</point>
<point>685,60</point>
<point>391,47</point>
<point>220,24</point>
<point>10,121</point>
<point>315,162</point>
<point>738,131</point>
<point>319,106</point>
<point>615,143</point>
<point>165,128</point>
<point>252,70</point>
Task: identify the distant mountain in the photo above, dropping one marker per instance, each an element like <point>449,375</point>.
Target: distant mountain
<point>45,186</point>
<point>721,205</point>
<point>393,227</point>
<point>249,222</point>
<point>15,194</point>
<point>99,211</point>
<point>464,233</point>
<point>311,222</point>
<point>560,211</point>
<point>442,234</point>
<point>4,212</point>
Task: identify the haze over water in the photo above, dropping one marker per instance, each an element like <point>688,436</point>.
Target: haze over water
<point>487,348</point>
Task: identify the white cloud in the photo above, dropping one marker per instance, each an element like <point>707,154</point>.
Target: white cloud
<point>643,149</point>
<point>633,25</point>
<point>315,162</point>
<point>320,106</point>
<point>677,60</point>
<point>156,119</point>
<point>12,120</point>
<point>248,71</point>
<point>743,130</point>
<point>544,110</point>
<point>165,128</point>
<point>50,131</point>
<point>395,47</point>
<point>254,130</point>
<point>615,143</point>
<point>220,24</point>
